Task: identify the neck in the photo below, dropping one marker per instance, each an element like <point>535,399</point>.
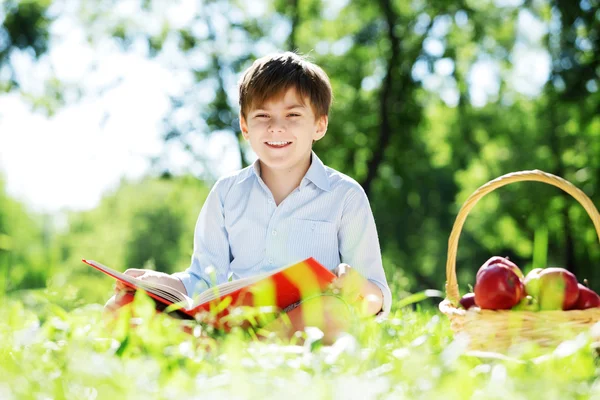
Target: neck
<point>283,182</point>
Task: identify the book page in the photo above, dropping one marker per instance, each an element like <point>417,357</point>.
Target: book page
<point>223,289</point>
<point>215,292</point>
<point>163,291</point>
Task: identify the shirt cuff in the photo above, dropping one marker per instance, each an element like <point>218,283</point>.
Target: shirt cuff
<point>387,299</point>
<point>193,284</point>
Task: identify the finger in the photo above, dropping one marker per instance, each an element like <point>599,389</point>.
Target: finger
<point>342,269</point>
<point>118,286</point>
<point>135,272</point>
<point>132,272</point>
<point>153,277</point>
<point>339,282</point>
<point>351,295</point>
<point>110,304</point>
<point>350,285</point>
<point>121,287</point>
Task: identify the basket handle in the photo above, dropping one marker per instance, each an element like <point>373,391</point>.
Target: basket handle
<point>452,293</point>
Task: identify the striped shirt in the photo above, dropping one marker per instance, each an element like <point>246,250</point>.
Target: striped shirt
<point>241,232</point>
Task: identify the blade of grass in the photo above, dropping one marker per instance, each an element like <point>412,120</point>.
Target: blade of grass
<point>419,296</point>
<point>540,248</point>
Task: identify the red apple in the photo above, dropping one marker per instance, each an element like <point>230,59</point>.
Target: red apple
<point>504,261</point>
<point>468,301</point>
<point>587,298</point>
<point>498,288</point>
<point>557,289</point>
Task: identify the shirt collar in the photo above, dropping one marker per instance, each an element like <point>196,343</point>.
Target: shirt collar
<point>317,174</point>
<point>251,170</point>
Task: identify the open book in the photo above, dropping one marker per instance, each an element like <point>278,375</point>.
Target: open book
<point>279,288</point>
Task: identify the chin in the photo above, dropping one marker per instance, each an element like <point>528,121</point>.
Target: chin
<point>285,161</point>
<point>277,161</point>
<point>278,165</point>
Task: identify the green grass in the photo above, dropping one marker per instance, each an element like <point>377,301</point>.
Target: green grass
<point>47,352</point>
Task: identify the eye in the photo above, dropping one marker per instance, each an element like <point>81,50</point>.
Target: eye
<point>293,115</point>
<point>261,116</point>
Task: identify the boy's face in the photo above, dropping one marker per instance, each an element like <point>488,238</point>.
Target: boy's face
<point>281,131</point>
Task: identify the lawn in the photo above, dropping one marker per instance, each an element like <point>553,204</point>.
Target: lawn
<point>48,352</point>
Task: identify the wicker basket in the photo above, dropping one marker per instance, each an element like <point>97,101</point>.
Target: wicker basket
<point>502,330</point>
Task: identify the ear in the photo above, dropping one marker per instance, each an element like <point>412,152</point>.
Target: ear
<point>322,123</point>
<point>243,126</point>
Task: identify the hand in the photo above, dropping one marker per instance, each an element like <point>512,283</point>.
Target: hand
<point>150,276</point>
<point>124,294</point>
<point>119,300</point>
<point>349,282</point>
<point>356,289</point>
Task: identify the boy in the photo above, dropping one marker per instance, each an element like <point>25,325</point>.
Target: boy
<point>287,206</point>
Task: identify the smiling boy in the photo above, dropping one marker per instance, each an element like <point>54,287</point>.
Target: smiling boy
<point>288,205</point>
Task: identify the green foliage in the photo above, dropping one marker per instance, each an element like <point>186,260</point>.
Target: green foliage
<point>411,133</point>
<point>417,141</point>
<point>139,221</point>
<point>25,246</point>
<point>146,245</point>
<point>146,224</point>
<point>24,28</point>
<point>53,353</point>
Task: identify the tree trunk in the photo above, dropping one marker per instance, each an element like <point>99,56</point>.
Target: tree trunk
<point>385,127</point>
<point>295,21</point>
<point>569,258</point>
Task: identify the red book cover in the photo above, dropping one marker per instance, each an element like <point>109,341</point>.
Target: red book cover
<point>280,289</point>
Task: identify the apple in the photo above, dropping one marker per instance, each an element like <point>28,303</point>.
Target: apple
<point>587,298</point>
<point>504,261</point>
<point>558,289</point>
<point>498,288</point>
<point>532,282</point>
<point>528,303</point>
<point>468,301</point>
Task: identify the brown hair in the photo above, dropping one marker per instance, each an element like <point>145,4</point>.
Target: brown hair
<point>271,76</point>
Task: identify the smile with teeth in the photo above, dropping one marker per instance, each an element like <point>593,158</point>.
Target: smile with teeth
<point>278,144</point>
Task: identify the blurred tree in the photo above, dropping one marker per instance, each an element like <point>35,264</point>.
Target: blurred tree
<point>24,41</point>
<point>24,28</point>
<point>155,237</point>
<point>555,130</point>
<point>148,224</point>
<point>571,109</point>
<point>407,121</point>
<point>25,249</point>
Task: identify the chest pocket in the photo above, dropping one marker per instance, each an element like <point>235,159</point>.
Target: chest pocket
<point>318,239</point>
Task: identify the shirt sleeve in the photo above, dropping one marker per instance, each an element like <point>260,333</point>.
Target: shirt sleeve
<point>359,244</point>
<point>212,256</point>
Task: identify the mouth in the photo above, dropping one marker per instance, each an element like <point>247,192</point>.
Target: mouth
<point>278,144</point>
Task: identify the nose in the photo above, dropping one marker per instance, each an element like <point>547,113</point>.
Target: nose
<point>276,126</point>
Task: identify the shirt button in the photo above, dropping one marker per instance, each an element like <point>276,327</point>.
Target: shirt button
<point>274,232</point>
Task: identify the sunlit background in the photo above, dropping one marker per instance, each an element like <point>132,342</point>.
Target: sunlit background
<point>117,116</point>
<point>113,128</point>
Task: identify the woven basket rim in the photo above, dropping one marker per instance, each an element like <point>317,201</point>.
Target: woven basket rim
<point>448,308</point>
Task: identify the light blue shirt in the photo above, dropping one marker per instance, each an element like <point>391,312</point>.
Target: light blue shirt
<point>240,231</point>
